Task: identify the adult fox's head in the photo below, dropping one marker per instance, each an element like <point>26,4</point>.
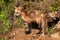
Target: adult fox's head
<point>18,11</point>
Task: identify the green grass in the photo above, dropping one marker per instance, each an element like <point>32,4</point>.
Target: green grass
<point>3,38</point>
<point>55,6</point>
<point>6,24</point>
<point>7,6</point>
<point>50,30</point>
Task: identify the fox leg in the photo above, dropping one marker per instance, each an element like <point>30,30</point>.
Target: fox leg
<point>28,31</point>
<point>44,25</point>
<point>40,28</point>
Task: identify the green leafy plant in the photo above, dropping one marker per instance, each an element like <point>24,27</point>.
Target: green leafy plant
<point>54,6</point>
<point>50,30</point>
<point>6,24</point>
<point>3,38</point>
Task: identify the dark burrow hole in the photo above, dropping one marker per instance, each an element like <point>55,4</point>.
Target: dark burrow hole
<point>50,24</point>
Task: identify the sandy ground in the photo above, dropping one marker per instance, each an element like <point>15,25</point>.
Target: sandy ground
<point>19,34</point>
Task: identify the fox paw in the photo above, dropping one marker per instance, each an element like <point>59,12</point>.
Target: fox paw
<point>27,32</point>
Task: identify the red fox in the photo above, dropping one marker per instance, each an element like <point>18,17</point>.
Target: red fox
<point>40,18</point>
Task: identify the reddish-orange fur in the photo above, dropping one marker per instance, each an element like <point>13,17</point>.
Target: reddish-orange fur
<point>39,19</point>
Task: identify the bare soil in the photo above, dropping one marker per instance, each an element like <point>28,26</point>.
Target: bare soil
<point>19,34</point>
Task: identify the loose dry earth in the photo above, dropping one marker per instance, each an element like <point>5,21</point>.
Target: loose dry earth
<point>18,34</point>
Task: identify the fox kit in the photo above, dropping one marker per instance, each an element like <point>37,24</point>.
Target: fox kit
<point>55,14</point>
